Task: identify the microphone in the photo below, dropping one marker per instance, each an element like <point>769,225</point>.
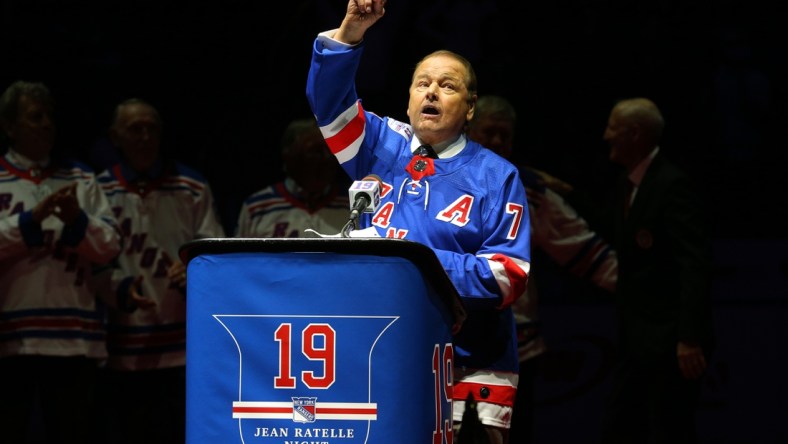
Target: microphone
<point>364,195</point>
<point>364,198</point>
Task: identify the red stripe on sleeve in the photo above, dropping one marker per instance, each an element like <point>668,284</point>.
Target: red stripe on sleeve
<point>349,133</point>
<point>518,278</point>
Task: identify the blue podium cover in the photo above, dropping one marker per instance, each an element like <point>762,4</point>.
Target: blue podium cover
<point>303,347</point>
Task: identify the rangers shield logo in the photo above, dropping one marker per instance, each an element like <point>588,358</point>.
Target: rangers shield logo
<point>304,409</point>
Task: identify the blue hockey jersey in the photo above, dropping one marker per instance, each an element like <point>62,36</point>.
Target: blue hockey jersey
<point>471,210</point>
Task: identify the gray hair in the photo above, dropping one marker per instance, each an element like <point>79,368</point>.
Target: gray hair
<point>491,105</point>
<point>295,130</point>
<point>134,101</point>
<point>9,101</point>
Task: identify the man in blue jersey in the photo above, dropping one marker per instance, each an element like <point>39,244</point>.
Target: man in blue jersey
<point>442,190</point>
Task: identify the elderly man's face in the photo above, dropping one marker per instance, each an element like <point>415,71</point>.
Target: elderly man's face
<point>310,163</point>
<point>493,132</point>
<point>439,104</point>
<point>137,133</point>
<point>33,132</point>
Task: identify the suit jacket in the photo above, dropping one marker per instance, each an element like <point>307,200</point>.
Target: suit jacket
<point>663,290</point>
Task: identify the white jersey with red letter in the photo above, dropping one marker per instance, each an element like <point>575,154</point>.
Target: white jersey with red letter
<point>274,211</point>
<point>559,231</point>
<point>47,297</point>
<point>470,208</point>
<point>156,218</point>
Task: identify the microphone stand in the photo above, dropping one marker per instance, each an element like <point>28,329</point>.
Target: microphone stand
<point>352,223</point>
<point>349,226</point>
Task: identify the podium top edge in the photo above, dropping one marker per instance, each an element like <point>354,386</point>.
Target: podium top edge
<point>372,246</point>
<point>419,254</point>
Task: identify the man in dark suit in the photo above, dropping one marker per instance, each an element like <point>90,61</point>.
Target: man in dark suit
<point>662,297</point>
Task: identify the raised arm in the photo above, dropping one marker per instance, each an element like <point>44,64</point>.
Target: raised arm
<point>360,16</point>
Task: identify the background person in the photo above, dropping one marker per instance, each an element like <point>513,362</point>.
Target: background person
<point>310,195</point>
<point>663,290</point>
<point>55,227</point>
<point>558,231</point>
<point>160,204</point>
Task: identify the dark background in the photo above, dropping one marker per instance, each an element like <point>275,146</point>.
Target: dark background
<point>228,76</point>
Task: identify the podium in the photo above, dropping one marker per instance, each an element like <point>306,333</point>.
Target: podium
<point>306,341</point>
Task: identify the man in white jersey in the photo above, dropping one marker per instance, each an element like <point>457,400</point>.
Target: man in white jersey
<point>308,197</point>
<point>55,227</point>
<point>557,230</point>
<point>160,204</point>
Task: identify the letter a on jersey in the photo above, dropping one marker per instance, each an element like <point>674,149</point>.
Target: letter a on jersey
<point>457,213</point>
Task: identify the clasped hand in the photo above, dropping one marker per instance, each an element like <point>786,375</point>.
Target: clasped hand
<point>62,204</point>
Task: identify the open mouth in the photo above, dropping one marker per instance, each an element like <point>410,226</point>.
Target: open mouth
<point>430,110</point>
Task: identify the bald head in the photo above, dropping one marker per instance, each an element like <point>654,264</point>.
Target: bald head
<point>633,130</point>
<point>645,114</point>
